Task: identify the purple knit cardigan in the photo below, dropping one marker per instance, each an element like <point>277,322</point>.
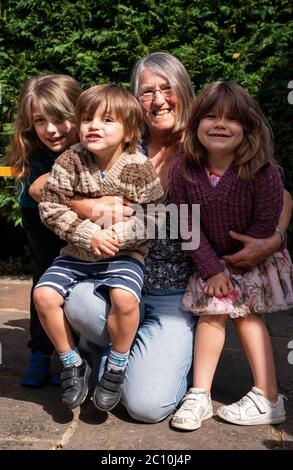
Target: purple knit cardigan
<point>250,208</point>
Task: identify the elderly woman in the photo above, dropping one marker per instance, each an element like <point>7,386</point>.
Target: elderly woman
<point>161,356</point>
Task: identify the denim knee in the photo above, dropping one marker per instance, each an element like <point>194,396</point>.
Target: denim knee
<point>87,314</point>
<point>147,411</point>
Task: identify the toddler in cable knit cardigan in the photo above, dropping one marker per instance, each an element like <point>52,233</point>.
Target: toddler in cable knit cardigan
<point>106,162</point>
<point>228,168</point>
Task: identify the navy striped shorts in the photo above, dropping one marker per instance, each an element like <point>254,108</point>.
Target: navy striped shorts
<point>124,272</point>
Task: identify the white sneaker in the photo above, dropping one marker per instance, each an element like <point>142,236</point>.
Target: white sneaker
<point>195,408</point>
<point>254,409</point>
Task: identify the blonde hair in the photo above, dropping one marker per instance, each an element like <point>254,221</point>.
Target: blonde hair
<point>114,100</point>
<point>230,99</point>
<point>56,95</point>
<point>170,68</point>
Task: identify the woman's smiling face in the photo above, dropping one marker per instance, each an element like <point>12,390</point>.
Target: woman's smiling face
<point>159,112</point>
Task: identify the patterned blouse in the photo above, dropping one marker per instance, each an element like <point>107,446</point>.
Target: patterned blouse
<point>167,266</point>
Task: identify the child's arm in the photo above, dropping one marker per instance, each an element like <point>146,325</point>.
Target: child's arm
<point>256,250</point>
<point>36,188</point>
<point>109,208</point>
<point>147,189</point>
<point>269,198</point>
<point>204,257</point>
<point>55,208</point>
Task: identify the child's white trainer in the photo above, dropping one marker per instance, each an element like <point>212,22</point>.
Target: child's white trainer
<point>254,409</point>
<point>195,407</point>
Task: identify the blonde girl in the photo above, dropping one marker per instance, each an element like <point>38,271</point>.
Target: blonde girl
<point>44,127</point>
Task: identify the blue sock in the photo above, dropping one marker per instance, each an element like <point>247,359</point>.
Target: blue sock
<point>117,361</point>
<point>70,358</point>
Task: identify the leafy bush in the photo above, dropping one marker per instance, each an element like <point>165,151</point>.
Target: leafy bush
<point>100,40</point>
<point>9,207</point>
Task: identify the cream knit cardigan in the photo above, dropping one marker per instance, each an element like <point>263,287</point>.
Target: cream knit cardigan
<point>76,172</point>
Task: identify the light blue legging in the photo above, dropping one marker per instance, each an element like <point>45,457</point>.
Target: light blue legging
<point>161,356</point>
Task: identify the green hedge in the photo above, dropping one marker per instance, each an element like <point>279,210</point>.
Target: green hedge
<point>98,41</point>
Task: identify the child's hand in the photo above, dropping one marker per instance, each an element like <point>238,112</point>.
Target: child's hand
<point>218,285</point>
<point>36,188</point>
<point>105,242</point>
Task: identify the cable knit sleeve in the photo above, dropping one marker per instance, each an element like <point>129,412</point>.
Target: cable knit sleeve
<point>269,198</point>
<point>147,189</point>
<point>204,257</point>
<point>55,211</point>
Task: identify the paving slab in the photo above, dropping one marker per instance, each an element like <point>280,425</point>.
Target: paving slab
<point>15,293</point>
<point>116,431</point>
<point>30,419</point>
<point>36,419</point>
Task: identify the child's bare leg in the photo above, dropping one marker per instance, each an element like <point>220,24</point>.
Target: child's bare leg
<point>262,404</point>
<point>257,346</point>
<point>122,325</point>
<point>123,319</point>
<point>49,305</point>
<point>197,406</point>
<point>209,342</point>
<point>76,372</point>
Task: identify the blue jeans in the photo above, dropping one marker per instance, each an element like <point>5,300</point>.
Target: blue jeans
<point>162,353</point>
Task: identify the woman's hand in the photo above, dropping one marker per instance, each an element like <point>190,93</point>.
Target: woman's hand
<point>36,188</point>
<point>105,243</point>
<point>106,210</point>
<point>255,250</point>
<point>218,285</point>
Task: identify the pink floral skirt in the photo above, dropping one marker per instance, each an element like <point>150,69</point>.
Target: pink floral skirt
<point>266,288</point>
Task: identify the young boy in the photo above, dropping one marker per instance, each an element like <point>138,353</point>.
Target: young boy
<point>106,162</point>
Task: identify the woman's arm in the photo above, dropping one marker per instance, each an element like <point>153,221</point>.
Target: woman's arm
<point>110,208</point>
<point>286,213</point>
<point>256,250</point>
<point>106,210</point>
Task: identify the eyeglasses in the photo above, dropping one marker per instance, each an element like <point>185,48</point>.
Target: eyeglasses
<point>149,95</point>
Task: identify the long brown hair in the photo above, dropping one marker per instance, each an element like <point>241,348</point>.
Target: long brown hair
<point>230,99</point>
<point>56,95</point>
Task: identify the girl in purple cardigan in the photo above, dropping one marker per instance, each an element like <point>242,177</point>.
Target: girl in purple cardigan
<point>228,168</point>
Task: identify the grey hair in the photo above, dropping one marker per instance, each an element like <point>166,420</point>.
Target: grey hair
<point>170,68</point>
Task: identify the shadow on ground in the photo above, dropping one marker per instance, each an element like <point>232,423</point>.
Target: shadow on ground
<point>14,358</point>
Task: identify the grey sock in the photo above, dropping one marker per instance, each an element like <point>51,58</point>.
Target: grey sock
<point>70,358</point>
<point>117,361</point>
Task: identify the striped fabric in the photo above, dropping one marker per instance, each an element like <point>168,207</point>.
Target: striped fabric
<point>125,273</point>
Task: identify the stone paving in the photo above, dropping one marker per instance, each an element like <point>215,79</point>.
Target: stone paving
<point>36,419</point>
